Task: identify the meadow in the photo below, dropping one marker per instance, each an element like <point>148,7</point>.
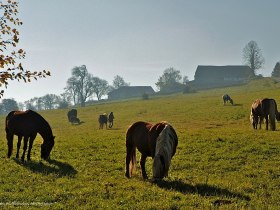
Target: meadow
<point>220,163</point>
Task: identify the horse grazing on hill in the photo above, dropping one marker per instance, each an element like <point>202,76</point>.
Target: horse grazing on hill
<point>227,98</point>
<point>72,116</point>
<point>158,141</point>
<point>111,119</point>
<point>256,116</point>
<point>27,124</point>
<point>265,109</point>
<point>270,112</point>
<point>103,119</point>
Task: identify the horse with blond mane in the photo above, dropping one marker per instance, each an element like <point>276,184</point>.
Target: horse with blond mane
<point>264,109</point>
<point>158,141</point>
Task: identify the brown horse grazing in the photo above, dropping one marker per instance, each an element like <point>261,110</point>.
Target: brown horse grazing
<point>27,124</point>
<point>158,141</point>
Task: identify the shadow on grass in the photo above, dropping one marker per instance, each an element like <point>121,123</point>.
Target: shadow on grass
<point>238,105</point>
<point>201,189</point>
<point>54,167</point>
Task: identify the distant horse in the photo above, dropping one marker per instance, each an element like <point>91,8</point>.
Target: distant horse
<point>27,124</point>
<point>72,116</point>
<point>256,116</point>
<point>227,98</point>
<point>111,119</point>
<point>158,141</point>
<point>103,119</point>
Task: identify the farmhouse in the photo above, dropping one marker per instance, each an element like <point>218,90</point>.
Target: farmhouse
<point>130,92</point>
<point>220,76</point>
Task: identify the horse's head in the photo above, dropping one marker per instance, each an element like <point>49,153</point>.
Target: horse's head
<point>165,148</point>
<point>46,147</point>
<point>231,101</point>
<point>159,167</point>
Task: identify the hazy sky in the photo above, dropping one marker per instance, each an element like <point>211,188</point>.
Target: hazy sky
<point>139,39</point>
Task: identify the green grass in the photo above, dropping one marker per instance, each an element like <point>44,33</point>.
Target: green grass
<point>221,162</point>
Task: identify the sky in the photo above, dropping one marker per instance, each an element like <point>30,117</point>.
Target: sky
<point>138,40</point>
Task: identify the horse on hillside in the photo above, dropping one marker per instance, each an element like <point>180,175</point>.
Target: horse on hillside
<point>265,108</point>
<point>72,116</point>
<point>158,141</point>
<point>227,98</point>
<point>27,124</point>
<point>256,116</point>
<point>111,119</point>
<point>103,119</point>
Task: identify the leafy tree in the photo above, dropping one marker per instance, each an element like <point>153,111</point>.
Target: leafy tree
<point>10,54</point>
<point>50,101</point>
<point>100,87</point>
<point>9,105</point>
<point>80,85</point>
<point>253,57</point>
<point>276,70</point>
<point>119,82</point>
<point>170,81</point>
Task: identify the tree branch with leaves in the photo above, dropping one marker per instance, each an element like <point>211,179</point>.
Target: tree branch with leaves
<point>10,55</point>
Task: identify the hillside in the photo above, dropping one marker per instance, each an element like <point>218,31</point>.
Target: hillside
<point>220,159</point>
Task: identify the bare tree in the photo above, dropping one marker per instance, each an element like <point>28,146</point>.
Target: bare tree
<point>10,67</point>
<point>253,57</point>
<point>80,85</point>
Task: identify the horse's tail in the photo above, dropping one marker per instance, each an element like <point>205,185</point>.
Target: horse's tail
<point>272,114</point>
<point>130,154</point>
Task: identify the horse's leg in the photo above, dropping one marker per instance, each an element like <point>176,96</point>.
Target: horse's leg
<point>266,122</point>
<point>25,141</point>
<point>18,145</point>
<point>142,164</point>
<point>31,140</point>
<point>10,138</point>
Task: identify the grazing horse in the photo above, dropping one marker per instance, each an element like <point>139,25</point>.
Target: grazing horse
<point>111,119</point>
<point>256,116</point>
<point>264,109</point>
<point>27,124</point>
<point>270,112</point>
<point>103,119</point>
<point>227,98</point>
<point>158,141</point>
<point>72,116</point>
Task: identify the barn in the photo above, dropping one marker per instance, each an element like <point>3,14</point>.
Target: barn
<point>130,92</point>
<point>221,76</point>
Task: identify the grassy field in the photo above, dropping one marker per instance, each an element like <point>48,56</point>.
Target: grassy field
<point>221,162</point>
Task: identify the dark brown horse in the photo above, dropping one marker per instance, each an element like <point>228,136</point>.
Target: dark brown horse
<point>227,98</point>
<point>145,137</point>
<point>27,124</point>
<point>265,109</point>
<point>111,119</point>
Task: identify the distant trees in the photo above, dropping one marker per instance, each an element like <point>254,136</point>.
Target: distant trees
<point>170,81</point>
<point>10,67</point>
<point>8,105</point>
<point>119,82</point>
<point>100,87</point>
<point>80,85</point>
<point>276,70</point>
<point>253,57</point>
